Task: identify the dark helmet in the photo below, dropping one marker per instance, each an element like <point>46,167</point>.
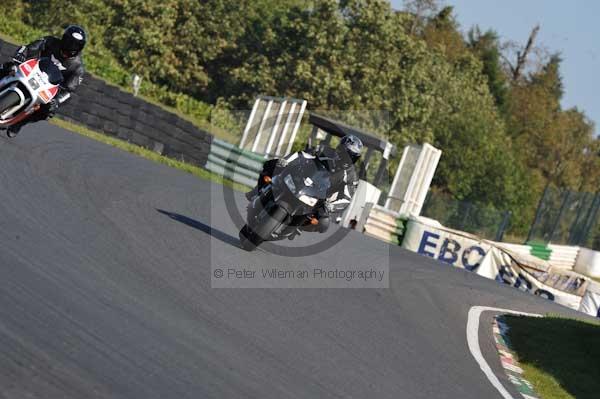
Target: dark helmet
<point>73,41</point>
<point>352,146</point>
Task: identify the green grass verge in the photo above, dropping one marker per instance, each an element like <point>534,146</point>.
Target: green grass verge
<point>148,154</point>
<point>559,356</point>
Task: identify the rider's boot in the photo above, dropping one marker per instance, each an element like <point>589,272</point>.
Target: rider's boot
<point>13,131</point>
<point>252,193</point>
<point>294,234</point>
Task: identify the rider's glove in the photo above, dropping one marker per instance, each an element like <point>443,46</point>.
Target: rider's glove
<point>63,95</point>
<point>329,207</point>
<point>20,58</point>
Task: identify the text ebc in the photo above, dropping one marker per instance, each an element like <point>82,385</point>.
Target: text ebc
<point>450,251</point>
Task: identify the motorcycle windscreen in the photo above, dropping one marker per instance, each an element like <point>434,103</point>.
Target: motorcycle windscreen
<point>310,178</point>
<point>319,187</point>
<point>55,77</point>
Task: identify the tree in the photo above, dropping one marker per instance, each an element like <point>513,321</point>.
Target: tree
<point>142,35</point>
<point>551,141</point>
<point>53,15</point>
<point>486,47</point>
<point>590,167</point>
<point>477,163</point>
<point>421,11</point>
<point>522,53</point>
<point>443,31</point>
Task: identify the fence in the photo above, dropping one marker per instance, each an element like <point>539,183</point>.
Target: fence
<point>567,218</point>
<point>236,164</point>
<point>485,222</point>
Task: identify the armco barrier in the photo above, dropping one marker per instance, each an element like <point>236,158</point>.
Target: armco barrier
<point>108,109</point>
<point>540,250</point>
<point>516,248</point>
<point>236,164</point>
<point>563,256</point>
<point>384,225</point>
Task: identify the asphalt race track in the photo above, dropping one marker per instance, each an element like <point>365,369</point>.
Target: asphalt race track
<point>105,270</point>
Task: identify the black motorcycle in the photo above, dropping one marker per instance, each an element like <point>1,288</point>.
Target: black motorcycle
<point>290,199</point>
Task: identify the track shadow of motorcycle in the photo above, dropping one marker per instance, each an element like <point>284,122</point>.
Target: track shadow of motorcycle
<point>218,234</point>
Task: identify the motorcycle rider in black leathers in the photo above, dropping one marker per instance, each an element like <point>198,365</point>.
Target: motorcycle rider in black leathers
<point>344,178</point>
<point>66,54</point>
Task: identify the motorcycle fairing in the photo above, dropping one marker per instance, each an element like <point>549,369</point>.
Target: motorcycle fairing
<point>34,79</point>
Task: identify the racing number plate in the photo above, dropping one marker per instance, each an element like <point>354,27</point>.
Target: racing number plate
<point>34,84</point>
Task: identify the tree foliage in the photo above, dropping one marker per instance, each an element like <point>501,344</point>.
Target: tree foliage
<point>486,47</point>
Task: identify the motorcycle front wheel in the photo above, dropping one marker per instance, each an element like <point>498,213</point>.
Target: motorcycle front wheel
<point>8,101</point>
<point>248,240</point>
<point>251,237</point>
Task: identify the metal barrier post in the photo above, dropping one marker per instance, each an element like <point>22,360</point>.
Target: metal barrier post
<point>262,126</point>
<point>503,226</point>
<point>560,214</point>
<point>249,123</point>
<point>590,219</point>
<point>275,128</point>
<point>538,213</point>
<point>296,127</point>
<point>575,230</point>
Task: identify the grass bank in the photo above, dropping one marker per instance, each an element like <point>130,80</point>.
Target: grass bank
<point>559,356</point>
<point>148,154</point>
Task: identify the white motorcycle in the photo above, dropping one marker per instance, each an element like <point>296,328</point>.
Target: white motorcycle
<point>28,86</point>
